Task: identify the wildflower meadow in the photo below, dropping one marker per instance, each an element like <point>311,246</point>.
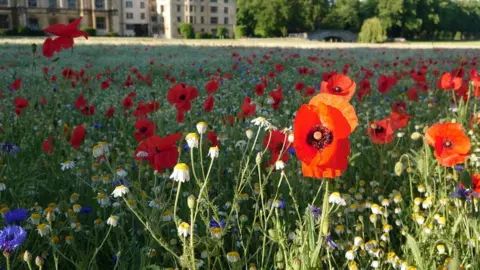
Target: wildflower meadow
<point>176,157</point>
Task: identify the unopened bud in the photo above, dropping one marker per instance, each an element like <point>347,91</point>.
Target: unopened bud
<point>39,261</point>
<point>191,201</point>
<point>27,256</point>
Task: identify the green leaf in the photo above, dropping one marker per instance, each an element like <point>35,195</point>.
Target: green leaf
<point>55,59</point>
<point>466,179</point>
<point>413,246</point>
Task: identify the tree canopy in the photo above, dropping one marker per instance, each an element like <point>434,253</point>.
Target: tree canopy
<point>412,19</point>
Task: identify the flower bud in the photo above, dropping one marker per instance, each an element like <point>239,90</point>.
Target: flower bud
<point>297,263</point>
<point>249,133</point>
<point>202,127</point>
<point>258,158</point>
<point>27,256</point>
<point>191,201</point>
<point>39,261</point>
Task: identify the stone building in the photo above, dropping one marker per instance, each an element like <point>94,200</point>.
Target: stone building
<point>160,18</point>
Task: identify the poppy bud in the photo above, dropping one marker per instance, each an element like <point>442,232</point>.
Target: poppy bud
<point>191,202</point>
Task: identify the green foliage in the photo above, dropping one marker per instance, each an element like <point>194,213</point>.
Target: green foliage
<point>222,32</point>
<point>92,32</point>
<point>112,34</point>
<point>372,31</point>
<point>412,19</point>
<point>22,31</point>
<point>240,31</point>
<point>187,31</point>
<point>203,35</point>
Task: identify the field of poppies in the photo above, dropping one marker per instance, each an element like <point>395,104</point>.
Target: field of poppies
<point>149,157</point>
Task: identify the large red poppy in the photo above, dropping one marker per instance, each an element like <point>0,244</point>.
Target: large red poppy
<point>321,130</point>
<point>145,128</point>
<point>161,153</point>
<point>65,34</point>
<point>181,96</point>
<point>451,144</point>
<point>340,85</point>
<point>449,82</point>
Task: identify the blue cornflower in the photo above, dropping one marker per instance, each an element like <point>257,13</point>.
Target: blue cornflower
<point>186,148</point>
<point>459,168</point>
<point>85,210</point>
<point>331,243</point>
<point>119,182</point>
<point>17,215</point>
<point>9,148</point>
<point>316,211</point>
<point>463,193</point>
<point>97,125</point>
<point>11,237</point>
<point>291,151</point>
<point>216,224</point>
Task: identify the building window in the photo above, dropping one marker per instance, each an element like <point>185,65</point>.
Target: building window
<point>129,4</point>
<point>129,26</point>
<point>191,19</point>
<point>179,8</point>
<point>225,10</point>
<point>202,30</point>
<point>202,8</point>
<point>3,3</point>
<point>99,3</point>
<point>154,18</point>
<point>100,23</point>
<point>31,3</point>
<point>213,20</point>
<point>4,21</point>
<point>129,15</point>
<point>226,1</point>
<point>213,9</point>
<point>142,16</point>
<point>33,24</point>
<point>213,1</point>
<point>52,3</point>
<point>72,4</point>
<point>161,19</point>
<point>142,4</point>
<point>202,20</point>
<point>178,30</point>
<point>225,20</point>
<point>179,19</point>
<point>161,8</point>
<point>214,32</point>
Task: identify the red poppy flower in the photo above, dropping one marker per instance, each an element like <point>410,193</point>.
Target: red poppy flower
<point>299,86</point>
<point>181,95</point>
<point>451,144</point>
<point>16,84</point>
<point>145,128</point>
<point>327,75</point>
<point>127,102</point>
<point>110,112</point>
<point>385,83</point>
<point>248,108</point>
<point>340,85</point>
<point>88,110</point>
<point>21,103</point>
<point>78,135</point>
<point>47,145</point>
<point>212,138</point>
<point>80,102</point>
<point>277,97</point>
<point>412,94</point>
<point>309,91</point>
<point>448,82</point>
<point>208,104</point>
<point>260,89</point>
<point>278,144</point>
<point>105,85</point>
<point>279,67</point>
<point>321,130</point>
<point>65,34</point>
<point>212,86</point>
<point>381,131</point>
<point>475,183</point>
<point>399,106</point>
<point>161,153</point>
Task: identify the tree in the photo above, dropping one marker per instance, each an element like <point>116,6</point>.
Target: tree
<point>187,30</point>
<point>344,15</point>
<point>372,31</point>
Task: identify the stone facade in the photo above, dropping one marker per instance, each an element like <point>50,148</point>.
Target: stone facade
<point>160,18</point>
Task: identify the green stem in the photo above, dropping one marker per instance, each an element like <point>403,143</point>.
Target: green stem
<point>99,247</point>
